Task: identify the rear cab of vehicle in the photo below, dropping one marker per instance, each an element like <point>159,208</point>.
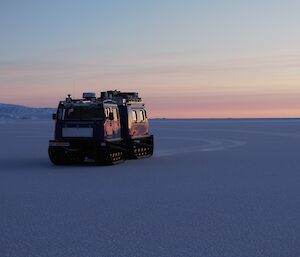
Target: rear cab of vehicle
<point>134,123</point>
<point>85,128</point>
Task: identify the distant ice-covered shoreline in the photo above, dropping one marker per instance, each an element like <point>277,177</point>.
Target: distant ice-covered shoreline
<point>19,112</point>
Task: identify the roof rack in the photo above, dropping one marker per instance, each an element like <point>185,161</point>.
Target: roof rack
<point>87,98</point>
<point>121,97</point>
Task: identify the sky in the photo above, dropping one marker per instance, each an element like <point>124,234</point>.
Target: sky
<point>187,59</point>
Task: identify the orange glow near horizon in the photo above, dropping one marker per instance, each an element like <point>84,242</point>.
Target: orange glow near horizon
<point>224,88</point>
<point>201,107</point>
<point>230,90</point>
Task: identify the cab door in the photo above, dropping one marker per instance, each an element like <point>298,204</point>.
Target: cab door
<point>112,125</point>
<point>108,128</point>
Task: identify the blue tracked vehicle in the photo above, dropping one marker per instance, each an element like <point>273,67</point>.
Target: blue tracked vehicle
<point>107,129</point>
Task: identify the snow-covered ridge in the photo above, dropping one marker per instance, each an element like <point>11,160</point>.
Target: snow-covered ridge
<point>15,112</point>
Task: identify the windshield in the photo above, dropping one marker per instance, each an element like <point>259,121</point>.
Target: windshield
<point>83,113</point>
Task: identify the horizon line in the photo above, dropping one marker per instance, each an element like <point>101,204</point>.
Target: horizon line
<point>178,118</point>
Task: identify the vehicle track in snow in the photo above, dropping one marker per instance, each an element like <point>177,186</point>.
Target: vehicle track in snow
<point>214,144</point>
<point>276,134</point>
<point>207,146</point>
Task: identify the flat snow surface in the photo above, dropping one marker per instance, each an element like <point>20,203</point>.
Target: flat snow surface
<point>213,188</point>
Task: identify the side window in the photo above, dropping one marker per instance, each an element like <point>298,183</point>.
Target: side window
<point>142,115</point>
<point>134,115</point>
<point>107,111</point>
<point>116,116</point>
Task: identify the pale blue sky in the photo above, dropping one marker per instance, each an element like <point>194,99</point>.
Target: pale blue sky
<point>195,48</point>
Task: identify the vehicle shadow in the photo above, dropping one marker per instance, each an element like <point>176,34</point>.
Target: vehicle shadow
<point>41,164</point>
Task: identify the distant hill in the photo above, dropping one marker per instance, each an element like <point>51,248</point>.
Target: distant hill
<point>13,112</point>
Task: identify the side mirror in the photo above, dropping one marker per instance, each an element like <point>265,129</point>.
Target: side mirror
<point>54,116</point>
<point>111,116</point>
